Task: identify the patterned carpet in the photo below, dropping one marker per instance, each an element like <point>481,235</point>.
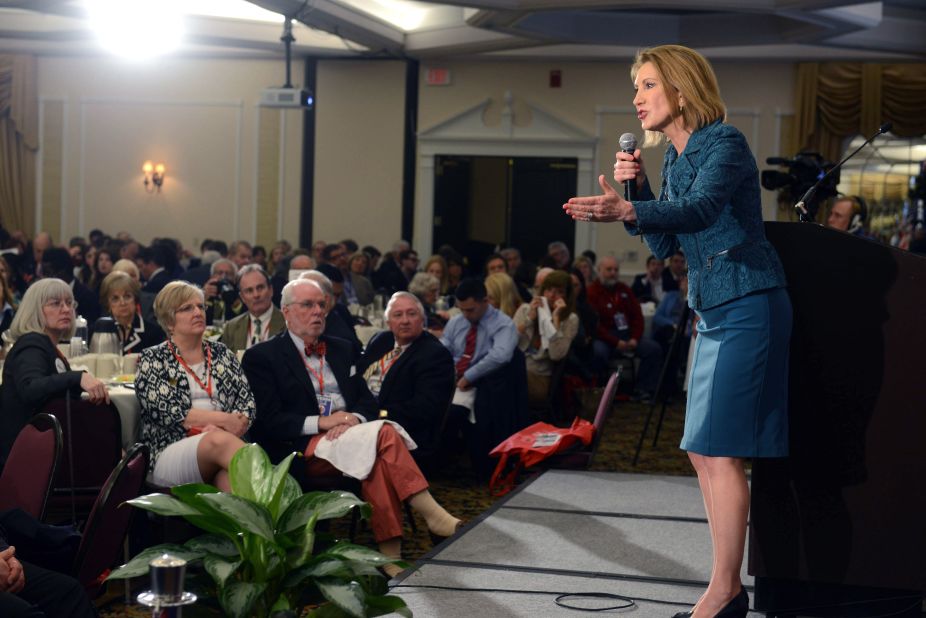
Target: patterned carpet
<point>457,489</point>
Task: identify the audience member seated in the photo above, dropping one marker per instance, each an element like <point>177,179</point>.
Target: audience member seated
<point>261,320</point>
<point>581,356</point>
<point>318,248</point>
<point>338,320</point>
<point>375,255</point>
<point>647,286</point>
<point>30,264</point>
<point>102,266</point>
<point>540,276</point>
<point>281,249</point>
<point>481,340</point>
<point>678,267</point>
<point>359,264</point>
<point>586,267</point>
<point>8,274</point>
<point>665,324</point>
<point>546,328</point>
<point>128,267</point>
<point>35,370</point>
<point>620,327</point>
<point>411,374</point>
<point>502,294</point>
<point>154,263</point>
<point>394,274</point>
<point>30,591</point>
<point>425,288</point>
<point>558,252</point>
<point>358,290</point>
<point>259,256</point>
<point>8,302</point>
<point>298,261</point>
<point>241,253</point>
<point>436,266</point>
<point>495,263</point>
<point>308,390</point>
<point>456,267</point>
<point>56,263</point>
<point>199,275</point>
<point>121,296</point>
<point>222,300</point>
<point>196,404</point>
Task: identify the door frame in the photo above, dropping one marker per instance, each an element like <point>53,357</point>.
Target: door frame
<point>467,134</point>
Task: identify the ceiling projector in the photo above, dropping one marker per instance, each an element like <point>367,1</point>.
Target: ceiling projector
<point>287,97</point>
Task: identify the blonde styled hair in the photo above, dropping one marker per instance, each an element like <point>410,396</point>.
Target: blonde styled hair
<point>692,77</point>
<point>117,281</point>
<point>128,267</point>
<point>502,289</point>
<point>170,298</point>
<point>29,317</point>
<point>445,274</point>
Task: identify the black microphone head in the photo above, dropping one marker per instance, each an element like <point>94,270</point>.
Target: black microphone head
<point>628,142</point>
<point>887,126</point>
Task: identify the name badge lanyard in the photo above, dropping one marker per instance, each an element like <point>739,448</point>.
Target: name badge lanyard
<point>319,375</point>
<point>207,374</point>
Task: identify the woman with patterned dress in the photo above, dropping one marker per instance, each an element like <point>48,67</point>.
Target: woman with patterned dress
<point>196,404</point>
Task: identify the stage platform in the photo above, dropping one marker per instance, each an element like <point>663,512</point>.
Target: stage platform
<point>634,535</point>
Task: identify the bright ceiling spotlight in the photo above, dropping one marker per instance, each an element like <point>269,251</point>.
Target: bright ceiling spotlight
<point>137,30</point>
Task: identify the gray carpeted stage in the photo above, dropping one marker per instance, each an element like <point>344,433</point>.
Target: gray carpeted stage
<point>635,535</point>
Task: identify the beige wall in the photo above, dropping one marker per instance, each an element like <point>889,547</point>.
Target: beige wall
<point>358,151</point>
<point>597,98</point>
<point>103,118</point>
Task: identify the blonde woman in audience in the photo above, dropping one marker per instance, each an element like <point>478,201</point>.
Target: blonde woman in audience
<point>120,297</point>
<point>35,370</point>
<point>587,268</point>
<point>546,327</point>
<point>281,250</point>
<point>437,267</point>
<point>196,404</point>
<point>128,267</point>
<point>503,294</point>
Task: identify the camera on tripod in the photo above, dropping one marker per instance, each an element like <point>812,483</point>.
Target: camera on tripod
<point>804,170</point>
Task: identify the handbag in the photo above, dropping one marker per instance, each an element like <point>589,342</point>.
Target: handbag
<point>532,445</point>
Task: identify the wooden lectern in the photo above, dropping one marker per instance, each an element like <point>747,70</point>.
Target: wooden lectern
<point>842,521</point>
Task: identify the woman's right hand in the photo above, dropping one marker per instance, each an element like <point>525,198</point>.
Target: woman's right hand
<point>236,423</point>
<point>96,389</point>
<point>536,303</point>
<point>628,167</point>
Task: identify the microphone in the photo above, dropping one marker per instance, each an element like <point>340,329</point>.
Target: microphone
<point>800,206</point>
<point>628,143</point>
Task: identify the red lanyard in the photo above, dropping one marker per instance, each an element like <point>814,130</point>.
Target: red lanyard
<point>320,375</point>
<point>206,387</point>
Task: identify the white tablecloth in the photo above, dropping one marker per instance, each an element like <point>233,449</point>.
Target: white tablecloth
<point>129,412</point>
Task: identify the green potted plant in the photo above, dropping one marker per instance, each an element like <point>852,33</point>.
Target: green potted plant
<point>259,544</point>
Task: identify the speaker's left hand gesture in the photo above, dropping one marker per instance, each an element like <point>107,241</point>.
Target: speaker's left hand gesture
<point>601,208</point>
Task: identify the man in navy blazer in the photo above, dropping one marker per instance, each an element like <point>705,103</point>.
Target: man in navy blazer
<point>411,374</point>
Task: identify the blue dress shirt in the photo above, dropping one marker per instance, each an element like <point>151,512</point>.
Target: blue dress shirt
<point>496,339</point>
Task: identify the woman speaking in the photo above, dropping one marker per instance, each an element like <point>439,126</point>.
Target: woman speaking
<point>709,206</point>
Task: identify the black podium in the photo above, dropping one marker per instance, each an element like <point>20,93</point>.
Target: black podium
<point>841,523</point>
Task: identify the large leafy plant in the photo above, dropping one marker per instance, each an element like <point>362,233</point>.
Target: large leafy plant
<point>259,543</point>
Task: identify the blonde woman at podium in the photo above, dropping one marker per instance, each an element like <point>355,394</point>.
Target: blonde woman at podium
<point>709,206</point>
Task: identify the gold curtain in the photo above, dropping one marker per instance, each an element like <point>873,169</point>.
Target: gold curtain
<point>836,100</point>
<point>19,141</point>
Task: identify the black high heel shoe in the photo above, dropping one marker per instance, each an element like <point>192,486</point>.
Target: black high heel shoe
<point>738,607</point>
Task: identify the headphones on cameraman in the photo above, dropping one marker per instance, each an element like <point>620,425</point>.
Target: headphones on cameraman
<point>859,211</point>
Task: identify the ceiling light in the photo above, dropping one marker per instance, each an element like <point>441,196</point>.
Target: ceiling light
<point>134,29</point>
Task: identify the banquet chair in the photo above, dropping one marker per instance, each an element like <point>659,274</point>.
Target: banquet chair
<point>30,466</point>
<point>91,449</point>
<point>103,535</point>
<point>582,456</point>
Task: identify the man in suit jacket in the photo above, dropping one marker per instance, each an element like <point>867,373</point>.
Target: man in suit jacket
<point>261,320</point>
<point>410,373</point>
<point>308,390</point>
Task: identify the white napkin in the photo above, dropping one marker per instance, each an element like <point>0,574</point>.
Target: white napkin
<point>545,325</point>
<point>354,451</point>
<point>466,399</point>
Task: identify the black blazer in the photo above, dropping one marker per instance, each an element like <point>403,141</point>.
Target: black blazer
<point>157,282</point>
<point>285,396</point>
<point>417,389</point>
<point>31,379</point>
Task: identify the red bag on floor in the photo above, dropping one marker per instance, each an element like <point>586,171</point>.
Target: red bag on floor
<point>532,445</point>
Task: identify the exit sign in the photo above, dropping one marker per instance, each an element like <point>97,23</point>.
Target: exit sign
<point>437,77</point>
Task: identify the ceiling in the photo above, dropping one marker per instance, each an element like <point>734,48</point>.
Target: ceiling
<point>780,30</point>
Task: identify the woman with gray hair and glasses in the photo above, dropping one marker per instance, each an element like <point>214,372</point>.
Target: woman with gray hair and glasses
<point>35,370</point>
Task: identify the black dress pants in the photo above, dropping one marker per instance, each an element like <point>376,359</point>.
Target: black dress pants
<point>47,594</point>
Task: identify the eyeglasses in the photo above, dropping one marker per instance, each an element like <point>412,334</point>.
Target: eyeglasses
<point>190,307</point>
<point>308,305</point>
<point>57,303</point>
<point>257,289</point>
<point>125,298</point>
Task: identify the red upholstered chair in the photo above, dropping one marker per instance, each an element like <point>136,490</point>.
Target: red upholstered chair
<point>108,523</point>
<point>93,443</point>
<point>582,457</point>
<point>30,466</point>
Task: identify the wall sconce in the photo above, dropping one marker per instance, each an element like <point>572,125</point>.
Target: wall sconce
<point>154,176</point>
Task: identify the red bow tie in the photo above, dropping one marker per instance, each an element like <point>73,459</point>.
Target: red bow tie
<point>318,348</point>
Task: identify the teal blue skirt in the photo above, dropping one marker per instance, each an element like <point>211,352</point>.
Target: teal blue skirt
<point>738,387</point>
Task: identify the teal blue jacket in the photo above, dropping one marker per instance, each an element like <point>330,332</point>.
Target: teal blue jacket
<point>709,205</point>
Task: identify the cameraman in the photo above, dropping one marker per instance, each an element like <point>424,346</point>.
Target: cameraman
<point>222,302</point>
